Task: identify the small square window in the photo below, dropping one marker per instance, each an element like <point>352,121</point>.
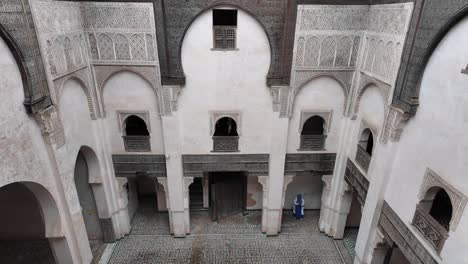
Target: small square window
<point>224,29</point>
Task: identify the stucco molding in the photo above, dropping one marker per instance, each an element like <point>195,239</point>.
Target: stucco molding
<point>395,122</point>
<point>365,124</point>
<point>51,126</point>
<point>217,115</point>
<point>458,199</point>
<point>82,76</point>
<point>366,81</point>
<point>343,77</point>
<point>149,73</point>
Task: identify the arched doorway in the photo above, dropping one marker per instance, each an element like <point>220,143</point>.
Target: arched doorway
<point>85,168</point>
<point>30,228</point>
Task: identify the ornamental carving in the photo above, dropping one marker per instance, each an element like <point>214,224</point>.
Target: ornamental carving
<point>51,126</point>
<point>457,198</point>
<point>395,121</point>
<point>64,56</point>
<point>326,115</point>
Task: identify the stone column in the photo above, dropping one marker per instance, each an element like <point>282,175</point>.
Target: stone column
<point>206,191</point>
<point>161,197</point>
<point>263,180</point>
<point>175,175</point>
<point>163,182</point>
<point>333,219</point>
<point>278,147</point>
<point>187,182</point>
<point>287,180</point>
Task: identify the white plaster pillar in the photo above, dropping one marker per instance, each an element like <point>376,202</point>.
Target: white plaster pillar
<point>175,178</point>
<point>206,191</point>
<point>263,180</point>
<point>161,196</point>
<point>275,200</point>
<point>287,180</point>
<point>163,182</point>
<point>187,182</point>
<point>381,166</point>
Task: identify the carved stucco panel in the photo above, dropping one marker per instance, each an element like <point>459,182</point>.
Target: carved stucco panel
<point>458,199</point>
<point>395,121</point>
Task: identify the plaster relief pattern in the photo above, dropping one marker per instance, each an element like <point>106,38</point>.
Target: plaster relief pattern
<point>457,198</point>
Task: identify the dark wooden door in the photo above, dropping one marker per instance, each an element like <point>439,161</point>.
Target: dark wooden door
<point>229,194</point>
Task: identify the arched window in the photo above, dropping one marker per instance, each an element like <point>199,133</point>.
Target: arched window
<point>225,137</point>
<point>312,134</point>
<point>226,127</point>
<point>365,149</point>
<point>136,136</point>
<point>441,209</point>
<point>433,215</point>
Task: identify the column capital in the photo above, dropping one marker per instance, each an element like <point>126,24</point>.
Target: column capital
<point>187,182</point>
<point>264,180</point>
<point>327,182</point>
<point>163,182</point>
<point>287,180</point>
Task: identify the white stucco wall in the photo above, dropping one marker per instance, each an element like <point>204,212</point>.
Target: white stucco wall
<point>436,137</point>
<point>319,95</point>
<point>226,81</point>
<point>24,155</point>
<point>127,91</point>
<point>79,131</point>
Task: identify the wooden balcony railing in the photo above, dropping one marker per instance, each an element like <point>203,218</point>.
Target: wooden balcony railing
<point>363,158</point>
<point>225,144</point>
<point>137,143</point>
<point>434,232</point>
<point>312,142</point>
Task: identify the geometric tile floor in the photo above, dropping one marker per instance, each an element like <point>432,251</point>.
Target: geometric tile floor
<point>236,239</point>
<point>349,240</point>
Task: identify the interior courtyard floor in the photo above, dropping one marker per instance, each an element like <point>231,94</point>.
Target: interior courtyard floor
<point>236,239</point>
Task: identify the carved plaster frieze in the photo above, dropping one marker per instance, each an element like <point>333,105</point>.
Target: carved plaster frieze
<point>82,76</point>
<point>216,115</point>
<point>149,73</point>
<point>457,198</point>
<point>395,121</point>
<point>51,126</point>
<point>365,82</point>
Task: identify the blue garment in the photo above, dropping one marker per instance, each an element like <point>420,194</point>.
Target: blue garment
<point>298,207</point>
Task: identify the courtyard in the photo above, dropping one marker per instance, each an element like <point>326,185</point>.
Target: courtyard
<point>235,239</point>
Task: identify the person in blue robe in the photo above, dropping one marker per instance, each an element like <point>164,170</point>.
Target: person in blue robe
<point>298,209</point>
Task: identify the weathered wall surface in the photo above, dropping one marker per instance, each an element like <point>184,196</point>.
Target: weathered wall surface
<point>436,138</point>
